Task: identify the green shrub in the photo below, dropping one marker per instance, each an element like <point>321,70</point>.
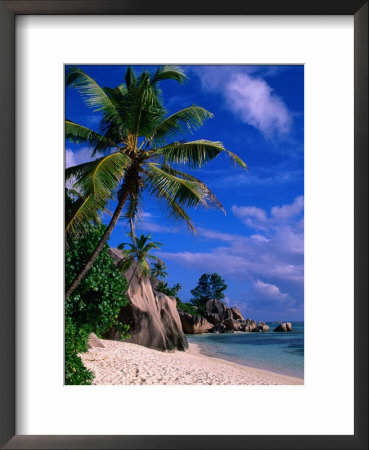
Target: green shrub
<point>164,288</point>
<point>76,342</point>
<point>209,286</point>
<point>101,294</point>
<point>186,307</point>
<point>94,306</point>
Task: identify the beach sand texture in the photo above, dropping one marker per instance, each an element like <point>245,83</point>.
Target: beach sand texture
<point>121,363</point>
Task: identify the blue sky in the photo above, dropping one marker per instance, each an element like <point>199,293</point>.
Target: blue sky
<point>258,245</point>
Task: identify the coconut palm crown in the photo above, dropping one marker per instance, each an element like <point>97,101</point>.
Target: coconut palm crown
<point>140,150</point>
<point>138,252</point>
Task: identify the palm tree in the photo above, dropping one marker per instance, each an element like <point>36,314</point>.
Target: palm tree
<point>138,252</point>
<point>138,153</point>
<point>158,270</point>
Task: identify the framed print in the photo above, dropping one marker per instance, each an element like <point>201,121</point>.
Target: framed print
<point>287,85</point>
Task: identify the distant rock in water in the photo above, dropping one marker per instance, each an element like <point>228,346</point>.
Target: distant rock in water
<point>220,318</point>
<point>287,326</point>
<point>194,324</point>
<point>261,327</point>
<point>152,316</point>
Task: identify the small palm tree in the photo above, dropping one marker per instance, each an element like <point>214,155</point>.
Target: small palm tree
<point>139,153</point>
<point>138,252</point>
<point>158,270</point>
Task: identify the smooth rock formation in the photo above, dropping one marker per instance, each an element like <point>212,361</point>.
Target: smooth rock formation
<point>219,318</point>
<point>236,313</point>
<point>152,316</point>
<point>225,319</point>
<point>284,327</point>
<point>261,327</point>
<point>94,341</point>
<point>231,324</point>
<point>217,312</point>
<point>194,324</point>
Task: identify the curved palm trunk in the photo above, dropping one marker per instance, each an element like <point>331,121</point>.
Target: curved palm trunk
<point>102,242</point>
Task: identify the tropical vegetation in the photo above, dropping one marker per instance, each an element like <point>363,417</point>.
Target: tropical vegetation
<point>139,150</point>
<point>209,286</point>
<point>94,306</point>
<point>138,255</point>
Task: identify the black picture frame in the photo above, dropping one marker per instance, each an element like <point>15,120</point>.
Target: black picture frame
<point>8,12</point>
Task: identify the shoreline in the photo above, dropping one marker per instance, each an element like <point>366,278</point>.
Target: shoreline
<point>122,363</point>
<point>196,349</point>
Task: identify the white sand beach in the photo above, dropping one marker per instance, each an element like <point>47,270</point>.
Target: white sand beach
<point>121,363</point>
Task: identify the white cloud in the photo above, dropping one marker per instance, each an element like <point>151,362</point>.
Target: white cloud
<point>252,216</point>
<point>288,211</point>
<point>279,215</point>
<point>268,291</point>
<point>219,260</point>
<point>253,100</point>
<point>249,97</point>
<point>270,258</point>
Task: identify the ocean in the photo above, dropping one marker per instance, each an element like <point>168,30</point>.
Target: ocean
<point>278,352</point>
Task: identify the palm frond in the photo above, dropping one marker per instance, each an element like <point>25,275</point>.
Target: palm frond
<point>144,267</point>
<point>79,134</point>
<point>93,94</point>
<point>125,263</point>
<point>133,209</point>
<point>211,198</point>
<point>169,73</point>
<point>96,182</point>
<point>130,78</point>
<point>194,154</point>
<point>141,111</point>
<point>184,192</point>
<point>183,121</point>
<point>115,95</point>
<point>76,171</point>
<point>156,259</point>
<point>174,211</point>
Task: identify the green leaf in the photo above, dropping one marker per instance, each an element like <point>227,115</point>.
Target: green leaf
<point>93,94</point>
<point>181,122</point>
<point>169,73</point>
<point>195,154</point>
<point>96,183</point>
<point>185,192</point>
<point>79,134</point>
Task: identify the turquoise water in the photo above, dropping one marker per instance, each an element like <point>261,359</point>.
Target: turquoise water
<point>278,352</point>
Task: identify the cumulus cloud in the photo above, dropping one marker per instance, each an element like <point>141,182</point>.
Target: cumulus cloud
<point>249,97</point>
<point>252,216</point>
<point>270,261</point>
<point>279,215</point>
<point>253,100</point>
<point>288,211</point>
<point>269,291</point>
